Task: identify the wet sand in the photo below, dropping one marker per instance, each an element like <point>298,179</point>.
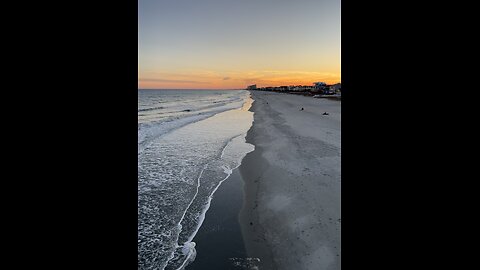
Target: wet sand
<point>291,213</point>
<point>219,241</point>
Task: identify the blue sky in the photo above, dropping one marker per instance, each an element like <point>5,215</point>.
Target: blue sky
<point>197,44</point>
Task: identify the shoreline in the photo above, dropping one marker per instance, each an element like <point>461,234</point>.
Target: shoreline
<point>252,231</point>
<point>178,173</point>
<point>219,241</point>
<point>218,238</point>
<point>291,213</point>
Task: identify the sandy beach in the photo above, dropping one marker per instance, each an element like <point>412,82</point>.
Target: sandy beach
<point>291,213</point>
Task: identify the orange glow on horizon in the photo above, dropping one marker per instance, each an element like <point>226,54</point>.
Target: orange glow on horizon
<point>232,80</point>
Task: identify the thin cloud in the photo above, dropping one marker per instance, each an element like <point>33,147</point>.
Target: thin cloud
<point>226,78</point>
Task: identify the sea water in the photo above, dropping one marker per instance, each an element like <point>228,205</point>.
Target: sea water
<point>189,141</point>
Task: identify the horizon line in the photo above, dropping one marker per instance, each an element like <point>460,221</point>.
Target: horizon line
<point>191,89</point>
<point>223,88</point>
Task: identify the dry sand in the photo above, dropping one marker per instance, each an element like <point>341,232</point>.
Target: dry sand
<point>291,214</point>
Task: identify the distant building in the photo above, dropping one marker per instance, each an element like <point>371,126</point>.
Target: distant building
<point>296,88</point>
<point>301,88</point>
<point>283,88</point>
<point>252,87</point>
<point>320,87</point>
<point>336,88</point>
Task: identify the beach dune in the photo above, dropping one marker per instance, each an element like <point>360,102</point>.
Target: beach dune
<point>291,213</point>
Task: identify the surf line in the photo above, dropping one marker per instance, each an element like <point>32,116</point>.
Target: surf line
<point>228,171</point>
<point>179,225</point>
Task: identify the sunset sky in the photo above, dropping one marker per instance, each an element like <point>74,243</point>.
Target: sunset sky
<point>228,44</point>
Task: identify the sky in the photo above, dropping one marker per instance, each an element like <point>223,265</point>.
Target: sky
<point>230,44</point>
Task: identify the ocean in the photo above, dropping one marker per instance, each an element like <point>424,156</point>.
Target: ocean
<point>189,142</point>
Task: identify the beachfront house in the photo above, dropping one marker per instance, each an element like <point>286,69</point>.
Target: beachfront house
<point>283,88</point>
<point>297,88</point>
<point>302,88</point>
<point>320,87</point>
<point>252,87</point>
<point>335,88</point>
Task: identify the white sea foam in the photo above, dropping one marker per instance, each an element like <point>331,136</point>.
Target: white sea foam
<point>179,171</point>
<point>233,152</point>
<point>161,120</point>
